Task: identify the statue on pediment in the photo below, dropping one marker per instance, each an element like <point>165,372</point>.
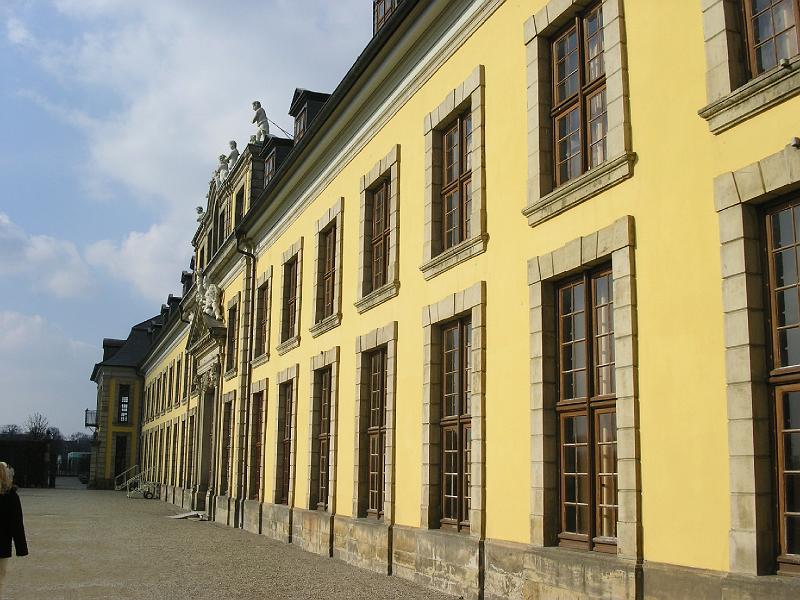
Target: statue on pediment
<point>221,173</point>
<point>209,298</point>
<point>233,156</point>
<point>261,121</point>
<point>200,214</point>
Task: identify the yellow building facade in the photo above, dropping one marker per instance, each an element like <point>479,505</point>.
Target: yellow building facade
<point>510,316</point>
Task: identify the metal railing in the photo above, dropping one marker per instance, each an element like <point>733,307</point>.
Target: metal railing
<point>90,418</point>
<point>121,480</point>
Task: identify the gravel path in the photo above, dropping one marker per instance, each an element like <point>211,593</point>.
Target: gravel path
<point>92,544</point>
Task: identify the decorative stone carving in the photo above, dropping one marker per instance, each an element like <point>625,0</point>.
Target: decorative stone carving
<point>210,297</point>
<point>260,119</point>
<point>200,214</point>
<point>233,156</point>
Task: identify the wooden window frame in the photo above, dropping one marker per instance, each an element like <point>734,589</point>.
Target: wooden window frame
<point>782,379</point>
<point>262,319</point>
<point>270,166</point>
<point>123,408</point>
<point>377,361</point>
<point>232,342</point>
<point>239,207</point>
<point>284,437</point>
<point>327,271</point>
<point>461,184</point>
<point>189,466</point>
<point>460,423</point>
<point>747,17</point>
<point>380,236</point>
<point>300,123</point>
<point>323,379</point>
<point>258,408</point>
<point>226,447</point>
<point>581,99</point>
<point>290,276</point>
<point>381,11</point>
<point>588,406</point>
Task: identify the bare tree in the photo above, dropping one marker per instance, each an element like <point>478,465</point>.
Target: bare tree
<point>11,430</point>
<point>37,425</point>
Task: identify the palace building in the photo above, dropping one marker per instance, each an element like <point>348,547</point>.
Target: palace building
<point>515,314</point>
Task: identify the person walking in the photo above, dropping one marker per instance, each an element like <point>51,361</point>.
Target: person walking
<point>11,526</point>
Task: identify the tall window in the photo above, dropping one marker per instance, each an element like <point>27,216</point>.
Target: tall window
<point>170,386</point>
<point>182,472</point>
<point>456,424</point>
<point>772,33</point>
<point>380,228</point>
<point>256,445</point>
<point>286,394</point>
<point>227,448</point>
<point>269,168</point>
<point>262,319</point>
<point>300,123</point>
<point>174,461</point>
<point>233,327</point>
<point>123,405</point>
<point>376,432</point>
<point>381,10</point>
<point>457,181</point>
<point>239,206</point>
<point>327,273</point>
<point>587,415</point>
<point>188,476</point>
<point>579,96</point>
<point>323,437</point>
<point>289,299</point>
<point>783,241</point>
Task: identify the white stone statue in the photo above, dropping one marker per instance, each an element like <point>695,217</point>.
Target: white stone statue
<point>222,169</point>
<point>200,214</point>
<point>210,298</point>
<point>233,156</point>
<point>260,119</point>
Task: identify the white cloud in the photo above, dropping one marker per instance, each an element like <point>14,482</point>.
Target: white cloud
<point>44,262</point>
<point>38,363</point>
<point>182,75</point>
<point>17,33</point>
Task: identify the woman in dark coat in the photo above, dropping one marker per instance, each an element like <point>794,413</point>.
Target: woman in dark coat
<point>11,526</point>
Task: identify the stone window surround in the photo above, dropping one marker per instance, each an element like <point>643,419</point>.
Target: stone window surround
<point>383,336</point>
<point>260,386</point>
<point>736,198</point>
<point>732,98</point>
<point>332,217</point>
<point>234,302</point>
<point>291,341</point>
<point>329,358</point>
<point>288,374</point>
<point>264,279</point>
<point>615,242</point>
<point>470,94</point>
<point>544,200</point>
<point>468,302</point>
<point>386,168</point>
<point>227,398</point>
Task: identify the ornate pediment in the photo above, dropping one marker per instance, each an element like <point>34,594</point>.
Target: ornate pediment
<point>205,330</point>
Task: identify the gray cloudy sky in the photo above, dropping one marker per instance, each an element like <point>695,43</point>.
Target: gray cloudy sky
<point>111,115</point>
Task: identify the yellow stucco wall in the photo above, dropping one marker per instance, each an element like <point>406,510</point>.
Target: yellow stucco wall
<point>683,427</point>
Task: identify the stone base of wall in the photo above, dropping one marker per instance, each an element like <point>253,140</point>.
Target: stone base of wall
<point>276,521</point>
<point>446,561</point>
<point>662,582</point>
<point>365,543</point>
<point>558,572</point>
<point>503,570</point>
<point>252,516</point>
<point>225,510</point>
<point>312,530</point>
<point>186,500</point>
<point>167,493</point>
<point>198,500</point>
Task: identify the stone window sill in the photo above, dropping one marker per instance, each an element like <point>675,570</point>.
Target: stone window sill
<point>572,193</point>
<point>453,256</point>
<point>260,360</point>
<point>755,96</point>
<point>230,374</point>
<point>290,344</point>
<point>377,296</point>
<point>326,324</point>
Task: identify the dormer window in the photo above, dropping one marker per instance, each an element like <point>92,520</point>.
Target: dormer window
<point>269,168</point>
<point>300,122</point>
<point>381,11</point>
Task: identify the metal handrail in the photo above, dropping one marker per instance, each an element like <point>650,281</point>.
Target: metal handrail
<point>124,477</point>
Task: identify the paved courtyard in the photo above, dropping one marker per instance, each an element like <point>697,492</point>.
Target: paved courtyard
<point>90,544</point>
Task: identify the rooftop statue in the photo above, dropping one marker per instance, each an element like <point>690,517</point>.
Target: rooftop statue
<point>209,296</point>
<point>222,170</point>
<point>233,156</point>
<point>260,119</point>
<point>200,214</point>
